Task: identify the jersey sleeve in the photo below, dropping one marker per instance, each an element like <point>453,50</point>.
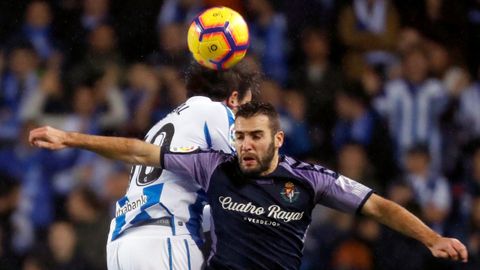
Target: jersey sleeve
<point>218,128</point>
<point>340,192</point>
<point>193,162</point>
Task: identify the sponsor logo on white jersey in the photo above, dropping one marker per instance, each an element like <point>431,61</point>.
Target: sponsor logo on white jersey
<point>132,205</point>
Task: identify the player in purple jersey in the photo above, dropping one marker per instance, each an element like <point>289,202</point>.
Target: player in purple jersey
<point>261,201</point>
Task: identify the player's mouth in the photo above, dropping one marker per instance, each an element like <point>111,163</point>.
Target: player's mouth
<point>249,160</point>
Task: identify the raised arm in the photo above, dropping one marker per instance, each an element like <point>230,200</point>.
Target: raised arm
<point>401,220</point>
<point>132,151</point>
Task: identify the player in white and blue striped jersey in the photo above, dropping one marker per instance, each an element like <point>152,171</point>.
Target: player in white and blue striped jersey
<point>158,221</point>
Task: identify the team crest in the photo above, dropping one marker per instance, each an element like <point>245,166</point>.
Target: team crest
<point>290,193</point>
<point>183,149</point>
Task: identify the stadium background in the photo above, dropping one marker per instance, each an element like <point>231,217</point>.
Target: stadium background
<point>331,68</point>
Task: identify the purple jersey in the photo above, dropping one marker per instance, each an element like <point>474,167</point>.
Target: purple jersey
<point>260,223</point>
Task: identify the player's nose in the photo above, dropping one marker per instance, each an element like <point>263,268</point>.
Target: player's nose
<point>247,144</point>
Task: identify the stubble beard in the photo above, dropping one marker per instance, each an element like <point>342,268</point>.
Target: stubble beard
<point>263,163</point>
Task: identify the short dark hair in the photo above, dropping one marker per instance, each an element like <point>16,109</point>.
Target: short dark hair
<point>255,108</point>
<point>219,84</point>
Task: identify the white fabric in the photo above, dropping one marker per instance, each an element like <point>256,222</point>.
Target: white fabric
<point>372,18</point>
<point>150,248</point>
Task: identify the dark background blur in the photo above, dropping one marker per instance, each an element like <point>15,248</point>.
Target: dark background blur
<point>385,92</point>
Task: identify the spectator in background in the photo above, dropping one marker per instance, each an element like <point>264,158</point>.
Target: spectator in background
<point>91,225</point>
<point>440,19</point>
<point>290,109</point>
<point>408,38</point>
<point>358,122</point>
<point>294,103</point>
<point>455,80</point>
<point>373,81</point>
<point>140,94</point>
<point>268,41</point>
<point>173,91</point>
<point>303,13</point>
<point>9,199</point>
<point>35,262</point>
<point>85,16</point>
<point>328,229</point>
<point>432,191</point>
<point>412,106</point>
<point>353,162</point>
<point>319,80</point>
<point>97,104</point>
<point>468,114</point>
<point>36,171</point>
<point>368,29</point>
<point>445,67</point>
<point>19,81</point>
<point>37,30</point>
<point>357,252</point>
<point>468,188</point>
<point>101,55</point>
<point>173,49</point>
<point>178,12</point>
<point>62,242</point>
<point>95,13</point>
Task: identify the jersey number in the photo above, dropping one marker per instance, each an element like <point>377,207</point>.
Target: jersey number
<point>149,174</point>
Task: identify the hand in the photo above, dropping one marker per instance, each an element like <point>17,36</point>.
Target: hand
<point>48,137</point>
<point>449,248</point>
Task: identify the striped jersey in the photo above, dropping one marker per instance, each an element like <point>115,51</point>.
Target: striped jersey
<point>260,222</point>
<point>469,111</point>
<point>413,114</point>
<point>156,193</point>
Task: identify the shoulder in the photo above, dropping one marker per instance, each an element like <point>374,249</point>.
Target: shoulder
<point>307,171</point>
<point>204,105</point>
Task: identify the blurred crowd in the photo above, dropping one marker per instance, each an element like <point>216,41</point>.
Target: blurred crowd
<point>386,92</point>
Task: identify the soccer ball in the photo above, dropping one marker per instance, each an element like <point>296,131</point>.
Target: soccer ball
<point>218,38</point>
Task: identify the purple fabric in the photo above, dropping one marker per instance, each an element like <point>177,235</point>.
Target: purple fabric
<point>195,163</point>
<point>331,189</point>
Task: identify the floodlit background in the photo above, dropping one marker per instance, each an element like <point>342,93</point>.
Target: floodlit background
<point>385,92</point>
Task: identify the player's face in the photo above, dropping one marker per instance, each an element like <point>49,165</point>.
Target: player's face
<point>256,146</point>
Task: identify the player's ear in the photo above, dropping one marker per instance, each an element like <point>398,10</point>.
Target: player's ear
<point>279,137</point>
<point>232,100</point>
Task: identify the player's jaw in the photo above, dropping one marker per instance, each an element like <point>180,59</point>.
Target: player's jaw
<point>253,164</point>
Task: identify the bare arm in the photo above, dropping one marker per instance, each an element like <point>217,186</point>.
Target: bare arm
<point>399,219</point>
<point>132,151</point>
